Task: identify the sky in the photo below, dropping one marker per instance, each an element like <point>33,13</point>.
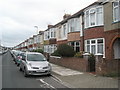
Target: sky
<point>18,17</point>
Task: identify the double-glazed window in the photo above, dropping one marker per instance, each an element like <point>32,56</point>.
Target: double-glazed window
<point>52,33</point>
<point>46,48</point>
<point>64,30</point>
<point>75,45</point>
<point>94,17</point>
<point>52,48</point>
<point>94,46</point>
<point>74,25</point>
<point>116,11</point>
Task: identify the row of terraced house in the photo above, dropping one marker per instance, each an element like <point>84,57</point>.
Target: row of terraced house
<point>94,29</point>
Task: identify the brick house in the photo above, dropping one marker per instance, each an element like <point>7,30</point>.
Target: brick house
<point>40,40</point>
<point>74,30</point>
<point>30,44</point>
<point>46,41</point>
<point>93,32</point>
<point>112,29</point>
<point>62,30</point>
<point>111,62</point>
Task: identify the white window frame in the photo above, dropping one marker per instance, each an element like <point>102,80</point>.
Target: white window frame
<point>64,29</point>
<point>89,11</point>
<point>75,46</point>
<point>114,7</point>
<point>96,46</point>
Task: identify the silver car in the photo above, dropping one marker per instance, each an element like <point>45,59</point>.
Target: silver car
<point>33,63</point>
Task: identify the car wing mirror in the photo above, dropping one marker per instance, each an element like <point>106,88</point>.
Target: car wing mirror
<point>23,58</point>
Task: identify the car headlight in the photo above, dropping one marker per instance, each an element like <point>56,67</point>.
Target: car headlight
<point>45,67</point>
<point>30,64</point>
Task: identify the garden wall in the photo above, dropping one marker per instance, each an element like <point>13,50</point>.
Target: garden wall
<point>107,67</point>
<point>79,64</point>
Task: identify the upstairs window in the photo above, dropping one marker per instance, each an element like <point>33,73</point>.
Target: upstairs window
<point>94,17</point>
<point>99,16</point>
<point>116,11</point>
<point>64,30</point>
<point>87,18</point>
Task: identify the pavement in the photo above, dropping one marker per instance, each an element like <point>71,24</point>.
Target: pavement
<point>76,79</point>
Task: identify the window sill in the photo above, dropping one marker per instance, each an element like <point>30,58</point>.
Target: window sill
<point>115,22</point>
<point>98,54</point>
<point>93,27</point>
<point>73,32</point>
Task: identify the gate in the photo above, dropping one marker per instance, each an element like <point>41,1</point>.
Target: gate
<point>91,63</point>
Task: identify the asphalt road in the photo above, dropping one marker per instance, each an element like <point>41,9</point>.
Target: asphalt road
<point>0,71</point>
<point>13,78</point>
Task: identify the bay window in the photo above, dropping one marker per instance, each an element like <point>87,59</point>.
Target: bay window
<point>74,25</point>
<point>64,30</point>
<point>99,16</point>
<point>87,18</point>
<point>94,17</point>
<point>52,48</point>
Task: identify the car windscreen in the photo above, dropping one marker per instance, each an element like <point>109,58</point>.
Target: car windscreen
<point>35,57</point>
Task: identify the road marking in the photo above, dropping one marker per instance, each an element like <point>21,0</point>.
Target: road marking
<point>56,78</point>
<point>45,83</point>
<point>61,82</point>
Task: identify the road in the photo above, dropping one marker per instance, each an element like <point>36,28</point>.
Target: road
<point>13,78</point>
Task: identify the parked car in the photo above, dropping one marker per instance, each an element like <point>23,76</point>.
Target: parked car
<point>19,58</point>
<point>16,56</point>
<point>33,63</point>
<point>0,52</point>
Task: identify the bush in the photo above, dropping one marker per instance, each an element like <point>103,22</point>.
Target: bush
<point>79,55</point>
<point>38,50</point>
<point>56,53</point>
<point>91,57</point>
<point>65,50</point>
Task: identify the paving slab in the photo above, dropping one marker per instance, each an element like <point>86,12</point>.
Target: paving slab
<point>77,79</point>
<point>64,71</point>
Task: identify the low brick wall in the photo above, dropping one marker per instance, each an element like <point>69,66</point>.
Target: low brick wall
<point>79,64</point>
<point>105,67</point>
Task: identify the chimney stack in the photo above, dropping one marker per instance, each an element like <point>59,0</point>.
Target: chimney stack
<point>49,26</point>
<point>66,16</point>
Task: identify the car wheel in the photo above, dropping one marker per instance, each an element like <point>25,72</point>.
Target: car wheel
<point>49,74</point>
<point>17,64</point>
<point>25,73</point>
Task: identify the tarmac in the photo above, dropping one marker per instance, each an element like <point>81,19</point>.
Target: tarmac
<point>75,79</point>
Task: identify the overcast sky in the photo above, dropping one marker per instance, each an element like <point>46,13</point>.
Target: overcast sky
<point>18,17</point>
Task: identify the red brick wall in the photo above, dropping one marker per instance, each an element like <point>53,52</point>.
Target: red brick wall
<point>73,36</point>
<point>62,42</point>
<point>110,37</point>
<point>91,33</point>
<point>52,41</point>
<point>79,64</point>
<point>104,66</point>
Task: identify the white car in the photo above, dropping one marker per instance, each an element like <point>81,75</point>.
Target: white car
<point>33,63</point>
<point>0,52</point>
